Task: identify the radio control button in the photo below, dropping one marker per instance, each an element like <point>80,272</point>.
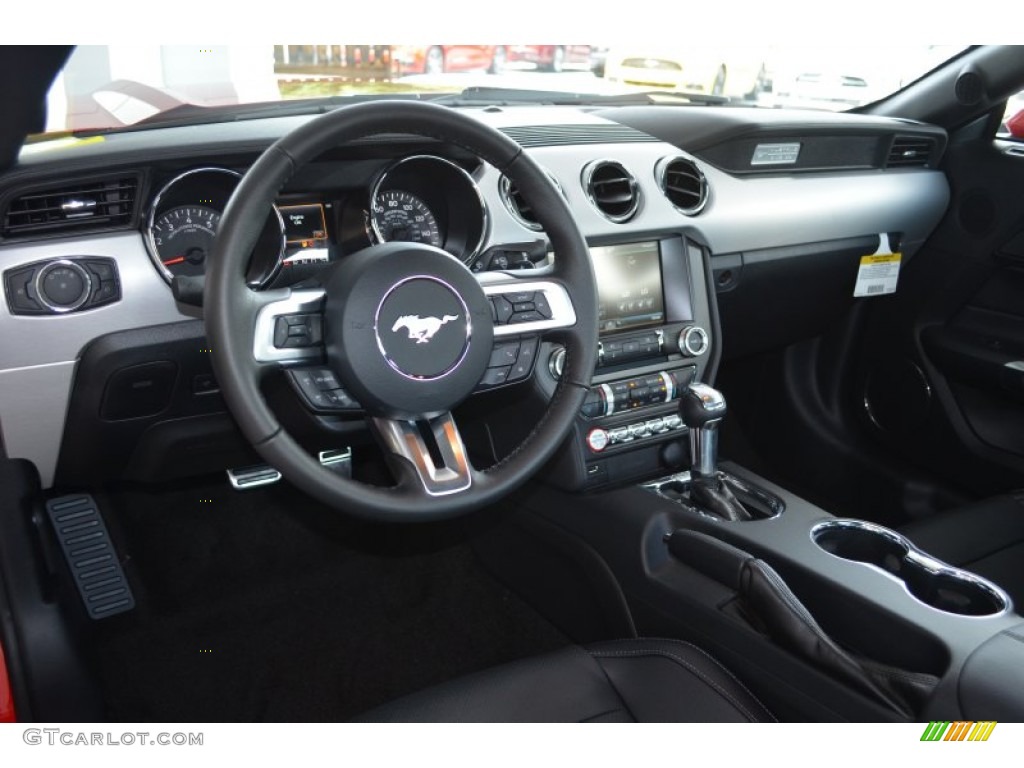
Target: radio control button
<point>638,430</point>
<point>673,422</point>
<point>693,341</point>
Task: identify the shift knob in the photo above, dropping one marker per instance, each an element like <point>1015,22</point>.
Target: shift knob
<point>701,404</point>
<point>702,408</point>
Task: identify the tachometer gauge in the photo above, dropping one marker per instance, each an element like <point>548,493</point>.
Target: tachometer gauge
<point>399,216</point>
<point>183,238</point>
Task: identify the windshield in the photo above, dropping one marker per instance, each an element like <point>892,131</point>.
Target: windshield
<point>117,86</point>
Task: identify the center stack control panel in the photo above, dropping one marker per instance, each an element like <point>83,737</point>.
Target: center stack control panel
<point>629,427</point>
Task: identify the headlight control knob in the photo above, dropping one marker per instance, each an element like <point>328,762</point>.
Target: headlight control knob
<point>63,286</point>
<point>693,341</point>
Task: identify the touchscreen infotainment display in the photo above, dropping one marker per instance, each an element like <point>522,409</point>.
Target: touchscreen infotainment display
<point>628,285</point>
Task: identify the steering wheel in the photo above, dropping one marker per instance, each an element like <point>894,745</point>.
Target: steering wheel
<point>407,329</point>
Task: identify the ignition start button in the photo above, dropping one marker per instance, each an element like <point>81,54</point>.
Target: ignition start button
<point>597,440</point>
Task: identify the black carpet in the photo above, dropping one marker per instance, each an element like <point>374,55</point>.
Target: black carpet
<point>265,606</point>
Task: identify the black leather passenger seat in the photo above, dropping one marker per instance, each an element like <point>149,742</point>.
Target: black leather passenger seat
<point>986,538</point>
<point>643,680</point>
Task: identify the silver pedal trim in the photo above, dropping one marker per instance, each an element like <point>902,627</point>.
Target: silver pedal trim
<point>337,460</point>
<point>252,477</point>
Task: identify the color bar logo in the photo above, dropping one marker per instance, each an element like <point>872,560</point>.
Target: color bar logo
<point>958,731</point>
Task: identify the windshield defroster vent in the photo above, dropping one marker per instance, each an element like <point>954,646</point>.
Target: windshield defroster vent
<point>105,203</point>
<point>612,189</point>
<point>683,183</point>
<point>910,151</point>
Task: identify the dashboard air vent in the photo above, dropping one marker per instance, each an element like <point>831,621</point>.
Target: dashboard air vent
<point>683,184</point>
<point>517,205</point>
<point>612,189</point>
<point>105,203</point>
<point>910,151</point>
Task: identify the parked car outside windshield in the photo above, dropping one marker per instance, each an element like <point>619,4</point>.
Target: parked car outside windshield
<point>116,86</point>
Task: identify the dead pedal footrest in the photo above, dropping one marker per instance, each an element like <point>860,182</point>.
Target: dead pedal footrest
<point>90,555</point>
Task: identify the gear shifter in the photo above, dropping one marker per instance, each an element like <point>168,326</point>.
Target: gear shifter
<point>702,409</point>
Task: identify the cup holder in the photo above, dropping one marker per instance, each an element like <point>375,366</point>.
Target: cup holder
<point>931,581</point>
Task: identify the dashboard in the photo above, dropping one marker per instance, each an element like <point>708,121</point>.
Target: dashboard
<point>704,225</point>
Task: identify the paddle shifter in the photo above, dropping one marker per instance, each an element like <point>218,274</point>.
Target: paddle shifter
<point>703,408</point>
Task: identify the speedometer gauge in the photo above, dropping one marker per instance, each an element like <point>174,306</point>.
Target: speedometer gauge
<point>183,238</point>
<point>400,216</point>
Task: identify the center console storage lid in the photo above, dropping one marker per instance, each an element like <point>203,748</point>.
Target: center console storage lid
<point>993,677</point>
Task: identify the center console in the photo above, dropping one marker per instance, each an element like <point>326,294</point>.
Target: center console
<point>657,334</point>
<point>826,618</point>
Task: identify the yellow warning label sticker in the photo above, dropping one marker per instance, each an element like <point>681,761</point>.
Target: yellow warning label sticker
<point>878,274</point>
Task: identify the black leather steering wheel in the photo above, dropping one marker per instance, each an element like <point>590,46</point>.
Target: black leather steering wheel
<point>407,328</point>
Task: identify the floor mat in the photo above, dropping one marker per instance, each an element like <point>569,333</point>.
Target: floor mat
<point>264,606</point>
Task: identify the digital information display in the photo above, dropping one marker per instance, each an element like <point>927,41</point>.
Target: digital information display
<point>305,233</point>
<point>628,285</point>
<point>304,225</point>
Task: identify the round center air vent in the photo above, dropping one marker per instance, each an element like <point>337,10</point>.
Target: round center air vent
<point>683,184</point>
<point>612,189</point>
<point>521,210</point>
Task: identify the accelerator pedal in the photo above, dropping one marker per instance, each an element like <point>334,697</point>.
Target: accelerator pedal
<point>90,555</point>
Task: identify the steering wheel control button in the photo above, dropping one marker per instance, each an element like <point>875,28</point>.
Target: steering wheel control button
<point>495,376</point>
<point>320,389</point>
<point>502,310</point>
<point>597,440</point>
<point>505,353</point>
<point>422,328</point>
<point>292,331</point>
<point>523,366</point>
<point>540,303</point>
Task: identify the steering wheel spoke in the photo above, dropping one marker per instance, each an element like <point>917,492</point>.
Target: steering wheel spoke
<point>528,306</point>
<point>431,449</point>
<point>289,327</point>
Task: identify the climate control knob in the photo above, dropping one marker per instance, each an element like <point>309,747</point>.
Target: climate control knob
<point>693,341</point>
<point>63,286</point>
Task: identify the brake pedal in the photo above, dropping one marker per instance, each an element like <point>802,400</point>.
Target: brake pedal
<point>253,477</point>
<point>90,555</point>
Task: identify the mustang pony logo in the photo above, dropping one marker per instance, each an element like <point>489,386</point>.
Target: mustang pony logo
<point>422,328</point>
